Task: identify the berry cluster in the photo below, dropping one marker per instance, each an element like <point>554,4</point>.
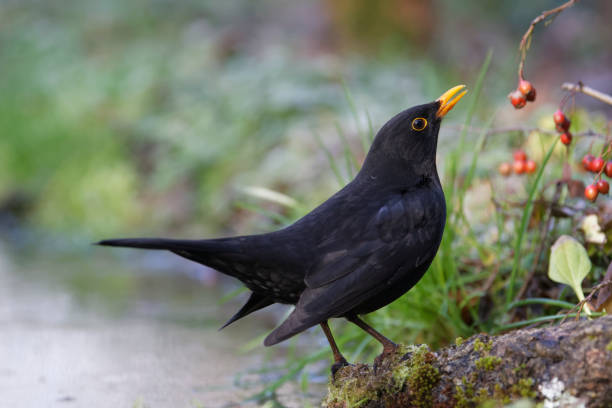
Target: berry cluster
<point>524,92</point>
<point>597,165</point>
<point>520,165</point>
<point>562,124</point>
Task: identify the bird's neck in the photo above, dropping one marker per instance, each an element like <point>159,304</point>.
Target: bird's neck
<point>399,174</point>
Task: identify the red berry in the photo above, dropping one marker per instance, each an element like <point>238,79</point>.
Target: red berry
<point>530,166</point>
<point>505,169</point>
<point>563,127</point>
<point>586,161</point>
<point>559,117</point>
<point>527,90</point>
<point>531,95</point>
<point>517,99</point>
<point>591,192</point>
<point>608,169</point>
<point>519,166</point>
<point>525,87</point>
<point>596,165</point>
<point>562,123</point>
<point>566,138</point>
<point>519,155</point>
<point>603,187</point>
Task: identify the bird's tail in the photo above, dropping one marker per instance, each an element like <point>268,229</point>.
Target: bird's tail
<point>202,251</point>
<point>156,243</point>
<point>219,253</point>
<point>222,254</point>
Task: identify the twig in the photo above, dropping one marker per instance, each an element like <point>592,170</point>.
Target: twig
<point>594,93</point>
<point>526,40</point>
<point>510,129</point>
<point>587,299</point>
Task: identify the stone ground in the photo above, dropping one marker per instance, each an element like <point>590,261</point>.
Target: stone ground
<point>55,353</point>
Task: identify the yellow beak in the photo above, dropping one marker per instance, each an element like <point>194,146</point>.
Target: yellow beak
<point>446,101</point>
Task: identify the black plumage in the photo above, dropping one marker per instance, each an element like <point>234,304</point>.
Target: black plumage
<point>358,251</point>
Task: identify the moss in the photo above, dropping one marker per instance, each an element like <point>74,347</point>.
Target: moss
<point>459,341</point>
<point>494,394</point>
<point>482,396</point>
<point>480,346</point>
<point>488,363</point>
<point>464,394</point>
<point>421,376</point>
<point>592,337</point>
<point>409,372</point>
<point>500,395</point>
<point>524,388</point>
<point>609,346</point>
<point>352,387</point>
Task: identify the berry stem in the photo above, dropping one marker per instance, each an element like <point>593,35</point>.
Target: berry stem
<point>526,40</point>
<point>604,156</point>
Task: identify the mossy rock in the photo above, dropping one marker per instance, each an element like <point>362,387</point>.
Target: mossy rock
<point>404,378</point>
<point>549,365</point>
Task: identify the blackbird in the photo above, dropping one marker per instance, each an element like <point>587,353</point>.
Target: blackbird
<point>364,247</point>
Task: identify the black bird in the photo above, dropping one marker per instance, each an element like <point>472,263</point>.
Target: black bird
<point>364,247</point>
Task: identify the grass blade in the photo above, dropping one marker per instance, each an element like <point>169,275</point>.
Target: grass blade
<point>365,144</point>
<point>539,319</point>
<point>479,147</point>
<point>523,226</point>
<point>279,218</point>
<point>542,301</point>
<point>370,127</point>
<point>455,156</point>
<point>349,157</point>
<point>331,159</point>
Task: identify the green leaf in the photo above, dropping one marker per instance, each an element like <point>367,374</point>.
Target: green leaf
<point>569,263</point>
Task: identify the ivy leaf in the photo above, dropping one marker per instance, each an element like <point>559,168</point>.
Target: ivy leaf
<point>569,264</point>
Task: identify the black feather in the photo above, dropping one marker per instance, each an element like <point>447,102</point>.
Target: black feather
<point>255,302</point>
<point>358,251</point>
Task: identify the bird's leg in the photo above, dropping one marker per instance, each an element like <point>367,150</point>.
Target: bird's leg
<point>339,360</point>
<point>388,346</point>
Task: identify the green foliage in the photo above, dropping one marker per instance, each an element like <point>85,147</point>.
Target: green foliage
<point>569,264</point>
<point>138,119</point>
<point>114,119</point>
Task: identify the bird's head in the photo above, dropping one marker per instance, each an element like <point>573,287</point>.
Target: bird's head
<point>407,143</point>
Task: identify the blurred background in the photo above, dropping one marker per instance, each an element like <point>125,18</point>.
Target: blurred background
<point>205,118</point>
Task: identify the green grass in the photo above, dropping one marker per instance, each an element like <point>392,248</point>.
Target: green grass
<point>447,302</point>
<point>135,121</point>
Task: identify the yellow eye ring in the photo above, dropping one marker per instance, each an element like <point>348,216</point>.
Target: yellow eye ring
<point>419,124</point>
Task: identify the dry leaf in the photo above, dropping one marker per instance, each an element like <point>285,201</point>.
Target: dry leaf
<point>592,230</point>
<point>604,297</point>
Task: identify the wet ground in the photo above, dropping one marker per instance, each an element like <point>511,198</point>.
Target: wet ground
<point>77,339</point>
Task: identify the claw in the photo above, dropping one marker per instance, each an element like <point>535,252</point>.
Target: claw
<point>388,350</point>
<point>337,366</point>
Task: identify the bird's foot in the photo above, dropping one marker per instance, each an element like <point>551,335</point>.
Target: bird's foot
<point>337,366</point>
<point>388,350</point>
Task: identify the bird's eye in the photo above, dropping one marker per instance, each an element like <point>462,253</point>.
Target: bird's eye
<point>419,124</point>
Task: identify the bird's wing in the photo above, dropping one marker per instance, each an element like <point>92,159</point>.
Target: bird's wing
<point>398,234</point>
<point>370,235</point>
